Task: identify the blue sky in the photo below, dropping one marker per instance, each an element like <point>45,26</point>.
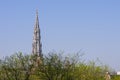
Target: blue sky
<point>92,26</point>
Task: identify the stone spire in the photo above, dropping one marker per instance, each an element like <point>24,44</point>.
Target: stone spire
<point>36,45</point>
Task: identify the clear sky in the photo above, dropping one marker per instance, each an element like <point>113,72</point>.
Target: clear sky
<point>92,26</point>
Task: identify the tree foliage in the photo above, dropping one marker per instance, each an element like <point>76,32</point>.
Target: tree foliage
<point>50,67</point>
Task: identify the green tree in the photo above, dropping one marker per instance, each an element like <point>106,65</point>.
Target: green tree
<point>50,67</point>
<point>56,67</point>
<point>17,67</point>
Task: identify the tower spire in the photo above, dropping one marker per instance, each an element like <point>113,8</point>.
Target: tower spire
<point>36,45</point>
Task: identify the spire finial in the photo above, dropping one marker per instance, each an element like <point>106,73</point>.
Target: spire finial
<point>37,12</point>
<point>37,16</point>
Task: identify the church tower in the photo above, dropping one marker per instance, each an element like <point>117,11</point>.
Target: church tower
<point>36,45</point>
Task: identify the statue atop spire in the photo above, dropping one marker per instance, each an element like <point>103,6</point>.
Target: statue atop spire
<point>36,45</point>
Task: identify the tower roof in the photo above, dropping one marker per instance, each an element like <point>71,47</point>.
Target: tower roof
<point>36,45</point>
<point>37,20</point>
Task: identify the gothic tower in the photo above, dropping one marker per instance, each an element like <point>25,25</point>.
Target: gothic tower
<point>36,45</point>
